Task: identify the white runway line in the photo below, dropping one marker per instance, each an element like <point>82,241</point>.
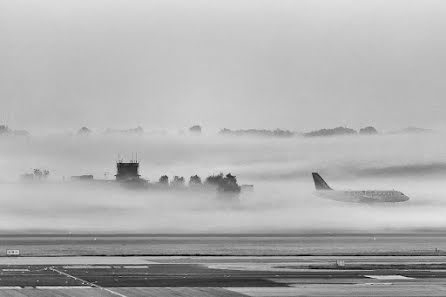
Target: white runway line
<point>252,266</point>
<point>60,287</point>
<point>389,277</point>
<point>10,288</point>
<point>86,282</point>
<point>137,267</point>
<point>86,267</point>
<point>15,270</point>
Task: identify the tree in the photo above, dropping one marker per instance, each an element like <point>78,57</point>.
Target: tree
<point>368,130</point>
<point>4,129</point>
<point>195,129</point>
<point>38,173</point>
<point>41,174</point>
<point>84,131</point>
<point>194,180</point>
<point>223,183</point>
<point>229,184</point>
<point>214,180</point>
<point>164,180</point>
<point>178,181</point>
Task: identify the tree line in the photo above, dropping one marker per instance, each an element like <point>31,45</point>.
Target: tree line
<point>223,183</point>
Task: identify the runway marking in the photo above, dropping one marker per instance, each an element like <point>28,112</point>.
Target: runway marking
<point>86,282</point>
<point>375,284</point>
<point>61,287</point>
<point>136,267</point>
<point>86,267</point>
<point>15,270</point>
<point>10,288</point>
<point>389,277</point>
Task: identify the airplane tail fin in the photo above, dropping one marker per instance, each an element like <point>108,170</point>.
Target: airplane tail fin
<point>320,183</point>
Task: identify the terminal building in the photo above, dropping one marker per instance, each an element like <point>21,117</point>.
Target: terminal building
<point>127,171</point>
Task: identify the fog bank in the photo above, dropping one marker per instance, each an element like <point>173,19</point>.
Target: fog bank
<point>282,201</point>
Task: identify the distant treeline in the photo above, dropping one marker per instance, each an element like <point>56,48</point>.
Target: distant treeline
<point>37,174</point>
<point>363,131</point>
<point>223,183</point>
<point>338,131</point>
<point>256,132</point>
<point>5,130</point>
<point>197,129</point>
<point>335,131</point>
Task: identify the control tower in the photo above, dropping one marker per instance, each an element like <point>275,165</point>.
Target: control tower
<point>127,171</point>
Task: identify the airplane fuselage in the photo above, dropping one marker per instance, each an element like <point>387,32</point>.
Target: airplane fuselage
<point>363,196</point>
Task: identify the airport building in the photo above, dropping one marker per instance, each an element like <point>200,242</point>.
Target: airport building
<point>127,171</point>
<point>82,177</point>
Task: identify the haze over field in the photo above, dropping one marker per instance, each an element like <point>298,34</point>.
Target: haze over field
<point>282,201</point>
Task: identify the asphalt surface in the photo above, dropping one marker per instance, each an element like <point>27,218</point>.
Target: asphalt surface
<point>221,277</point>
<point>185,275</point>
<point>155,275</point>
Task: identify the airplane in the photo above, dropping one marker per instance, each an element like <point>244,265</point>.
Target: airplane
<point>323,190</point>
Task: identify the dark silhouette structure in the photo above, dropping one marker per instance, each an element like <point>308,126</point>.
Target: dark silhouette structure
<point>37,174</point>
<point>127,171</point>
<point>164,180</point>
<point>195,129</point>
<point>368,131</point>
<point>331,132</point>
<point>258,132</point>
<point>223,183</point>
<point>86,177</point>
<point>178,181</point>
<point>84,131</point>
<point>128,176</point>
<point>194,180</point>
<point>41,174</point>
<point>4,129</point>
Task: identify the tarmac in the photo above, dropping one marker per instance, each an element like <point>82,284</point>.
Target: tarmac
<point>223,276</point>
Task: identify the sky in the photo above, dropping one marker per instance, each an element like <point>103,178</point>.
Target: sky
<point>296,65</point>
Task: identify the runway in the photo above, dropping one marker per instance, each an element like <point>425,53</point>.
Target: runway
<point>222,276</point>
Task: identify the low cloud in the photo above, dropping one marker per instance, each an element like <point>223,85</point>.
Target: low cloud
<point>282,201</point>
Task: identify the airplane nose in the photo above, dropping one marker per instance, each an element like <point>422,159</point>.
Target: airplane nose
<point>404,198</point>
